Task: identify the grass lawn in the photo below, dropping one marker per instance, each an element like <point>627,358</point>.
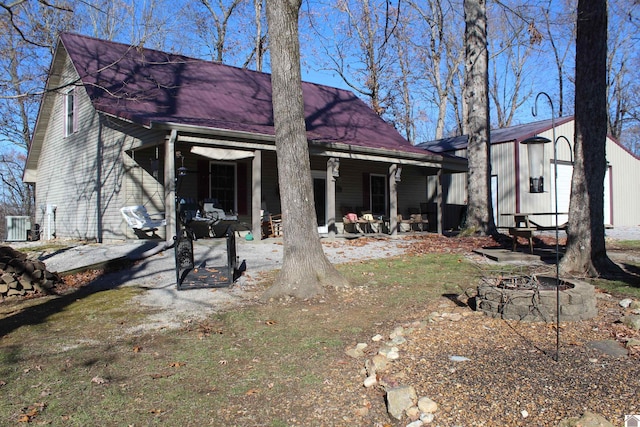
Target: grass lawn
<point>247,367</point>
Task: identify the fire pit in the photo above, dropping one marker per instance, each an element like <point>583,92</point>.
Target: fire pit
<point>533,298</point>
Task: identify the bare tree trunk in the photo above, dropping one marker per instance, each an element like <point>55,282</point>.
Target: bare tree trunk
<point>479,214</point>
<point>305,268</point>
<point>586,253</point>
<point>259,40</point>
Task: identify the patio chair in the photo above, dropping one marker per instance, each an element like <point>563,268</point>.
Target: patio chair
<point>274,225</point>
<point>138,218</point>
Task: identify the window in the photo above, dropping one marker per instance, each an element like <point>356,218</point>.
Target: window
<point>69,112</point>
<point>223,185</point>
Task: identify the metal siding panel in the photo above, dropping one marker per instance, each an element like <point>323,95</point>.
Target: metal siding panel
<point>625,179</point>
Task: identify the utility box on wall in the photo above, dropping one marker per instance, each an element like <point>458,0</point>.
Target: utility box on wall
<point>18,228</point>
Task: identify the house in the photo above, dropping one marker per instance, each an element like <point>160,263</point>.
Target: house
<point>117,122</point>
<point>510,175</point>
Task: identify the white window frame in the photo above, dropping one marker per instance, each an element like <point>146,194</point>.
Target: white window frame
<point>70,113</point>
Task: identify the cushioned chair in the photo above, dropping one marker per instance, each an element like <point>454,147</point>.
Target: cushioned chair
<point>138,218</point>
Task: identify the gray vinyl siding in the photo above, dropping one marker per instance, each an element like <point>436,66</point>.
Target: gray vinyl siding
<point>87,175</point>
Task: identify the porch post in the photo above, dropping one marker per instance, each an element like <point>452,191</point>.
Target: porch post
<point>393,198</point>
<point>439,200</point>
<point>256,195</point>
<point>333,171</point>
<point>170,187</point>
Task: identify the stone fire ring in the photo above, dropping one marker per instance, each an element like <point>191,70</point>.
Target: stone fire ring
<point>577,301</point>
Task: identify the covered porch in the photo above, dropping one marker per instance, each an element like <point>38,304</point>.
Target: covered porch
<point>240,174</point>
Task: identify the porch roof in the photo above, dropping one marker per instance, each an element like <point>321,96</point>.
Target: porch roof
<point>514,133</point>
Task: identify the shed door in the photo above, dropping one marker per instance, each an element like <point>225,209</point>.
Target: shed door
<point>564,192</point>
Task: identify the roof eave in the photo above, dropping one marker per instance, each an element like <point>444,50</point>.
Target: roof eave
<point>455,164</point>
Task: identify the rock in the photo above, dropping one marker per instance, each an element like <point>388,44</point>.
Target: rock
<point>379,363</point>
<point>635,305</point>
<point>413,413</point>
<point>459,359</point>
<point>588,419</point>
<point>427,418</point>
<point>609,347</point>
<point>454,317</point>
<point>362,412</point>
<point>633,342</point>
<point>399,340</point>
<point>391,353</point>
<point>625,303</point>
<point>399,399</point>
<point>632,321</point>
<point>356,352</point>
<point>416,423</point>
<point>377,338</point>
<point>427,405</point>
<point>370,381</point>
<point>397,332</point>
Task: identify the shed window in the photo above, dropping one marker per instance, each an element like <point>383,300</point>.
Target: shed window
<point>70,116</point>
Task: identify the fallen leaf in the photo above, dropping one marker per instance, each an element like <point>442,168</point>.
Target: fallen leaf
<point>99,380</point>
<point>162,375</point>
<point>252,391</point>
<point>270,322</point>
<point>137,349</point>
<point>177,364</point>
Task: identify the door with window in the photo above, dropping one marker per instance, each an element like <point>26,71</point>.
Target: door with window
<point>320,199</point>
<point>222,187</point>
<point>378,194</point>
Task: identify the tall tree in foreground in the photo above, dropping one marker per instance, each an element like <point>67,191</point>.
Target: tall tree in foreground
<point>305,268</point>
<point>586,253</point>
<point>476,96</point>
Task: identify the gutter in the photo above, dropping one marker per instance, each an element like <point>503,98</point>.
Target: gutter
<point>342,150</point>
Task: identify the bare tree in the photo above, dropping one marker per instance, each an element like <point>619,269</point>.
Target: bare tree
<point>480,212</point>
<point>359,49</point>
<point>442,53</point>
<point>305,268</point>
<point>560,31</point>
<point>26,42</point>
<point>585,251</point>
<point>512,42</point>
<point>219,14</point>
<point>623,59</point>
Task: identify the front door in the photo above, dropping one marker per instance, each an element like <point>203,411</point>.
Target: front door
<point>378,194</point>
<point>320,197</point>
<point>223,185</point>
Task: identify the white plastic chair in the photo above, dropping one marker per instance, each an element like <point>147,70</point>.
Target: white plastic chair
<point>138,218</point>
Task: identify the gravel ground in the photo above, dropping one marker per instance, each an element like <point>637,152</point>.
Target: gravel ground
<point>157,273</point>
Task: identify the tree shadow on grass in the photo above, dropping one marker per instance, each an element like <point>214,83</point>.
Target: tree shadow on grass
<point>110,275</point>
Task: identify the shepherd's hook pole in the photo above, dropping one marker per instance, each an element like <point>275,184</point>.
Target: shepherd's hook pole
<point>534,111</point>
